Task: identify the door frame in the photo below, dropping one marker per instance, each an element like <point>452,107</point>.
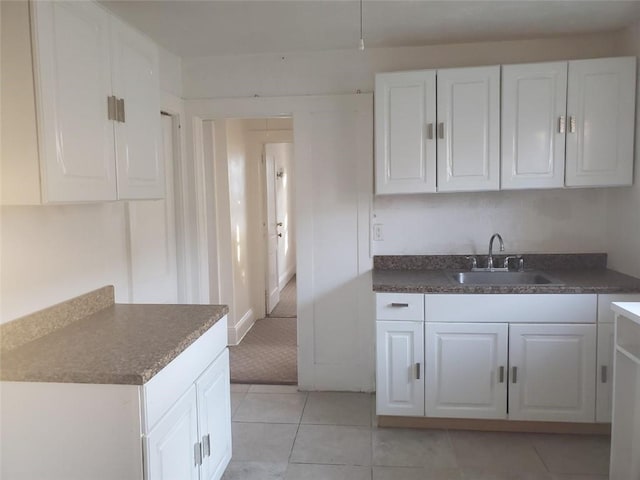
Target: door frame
<point>310,375</point>
<point>266,210</point>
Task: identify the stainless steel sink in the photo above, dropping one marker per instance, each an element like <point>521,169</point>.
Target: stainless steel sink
<point>504,278</point>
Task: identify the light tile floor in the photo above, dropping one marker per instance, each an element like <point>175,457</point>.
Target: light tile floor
<point>282,434</point>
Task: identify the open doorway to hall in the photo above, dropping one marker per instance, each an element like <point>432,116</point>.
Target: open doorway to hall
<point>261,211</point>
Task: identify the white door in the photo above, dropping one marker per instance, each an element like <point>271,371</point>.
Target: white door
<point>334,191</point>
<point>405,132</point>
<point>604,380</point>
<point>601,113</point>
<point>469,129</point>
<point>152,237</point>
<point>400,368</point>
<point>273,285</point>
<point>534,102</point>
<point>77,150</point>
<point>135,80</point>
<point>284,213</point>
<point>466,370</point>
<point>552,372</point>
<point>214,417</point>
<point>172,445</point>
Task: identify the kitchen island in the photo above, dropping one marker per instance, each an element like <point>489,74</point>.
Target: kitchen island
<point>116,391</point>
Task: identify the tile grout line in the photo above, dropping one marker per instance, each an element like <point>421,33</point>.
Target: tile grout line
<point>295,437</point>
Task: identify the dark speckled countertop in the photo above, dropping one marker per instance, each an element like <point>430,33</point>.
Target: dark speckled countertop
<point>119,344</point>
<point>584,273</point>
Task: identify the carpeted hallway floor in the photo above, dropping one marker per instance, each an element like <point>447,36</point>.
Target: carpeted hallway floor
<point>268,352</point>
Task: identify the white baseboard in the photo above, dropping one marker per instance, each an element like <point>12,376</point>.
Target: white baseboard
<point>286,276</point>
<point>236,333</point>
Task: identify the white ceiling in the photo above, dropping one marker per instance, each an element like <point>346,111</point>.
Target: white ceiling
<point>201,28</point>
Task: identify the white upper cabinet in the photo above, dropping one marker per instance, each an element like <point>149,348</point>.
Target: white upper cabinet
<point>534,98</point>
<point>140,168</point>
<point>405,104</point>
<point>469,129</point>
<point>80,61</point>
<point>600,126</point>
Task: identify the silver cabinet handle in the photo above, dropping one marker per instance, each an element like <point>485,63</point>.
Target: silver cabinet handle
<point>120,117</point>
<point>111,107</point>
<point>206,445</point>
<point>197,454</point>
<point>417,371</point>
<point>514,375</point>
<point>501,375</point>
<point>561,124</point>
<point>430,131</point>
<point>399,305</point>
<point>572,124</point>
<point>441,130</point>
<point>603,374</point>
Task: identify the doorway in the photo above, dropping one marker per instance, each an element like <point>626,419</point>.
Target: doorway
<point>259,164</point>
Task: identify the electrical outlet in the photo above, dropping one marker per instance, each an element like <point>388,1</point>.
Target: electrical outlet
<point>377,232</point>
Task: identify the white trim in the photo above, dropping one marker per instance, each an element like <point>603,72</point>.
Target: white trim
<point>236,333</point>
<point>286,276</point>
<point>352,375</point>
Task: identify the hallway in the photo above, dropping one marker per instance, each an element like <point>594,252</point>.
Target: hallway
<point>268,352</point>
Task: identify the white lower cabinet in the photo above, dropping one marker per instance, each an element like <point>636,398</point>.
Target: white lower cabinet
<point>604,374</point>
<point>466,370</point>
<point>170,445</point>
<point>552,372</point>
<point>508,368</point>
<point>399,376</point>
<point>193,439</point>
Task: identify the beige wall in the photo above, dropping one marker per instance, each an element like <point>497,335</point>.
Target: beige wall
<point>346,71</point>
<point>244,146</point>
<point>623,204</point>
<point>49,254</point>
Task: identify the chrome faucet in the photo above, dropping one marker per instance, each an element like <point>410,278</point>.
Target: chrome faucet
<point>490,257</point>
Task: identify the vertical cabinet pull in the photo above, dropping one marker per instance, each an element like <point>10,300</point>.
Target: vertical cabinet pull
<point>206,445</point>
<point>111,107</point>
<point>120,116</point>
<point>514,375</point>
<point>603,373</point>
<point>501,375</point>
<point>197,454</point>
<point>561,124</point>
<point>441,130</point>
<point>417,371</point>
<point>572,124</point>
<point>429,131</point>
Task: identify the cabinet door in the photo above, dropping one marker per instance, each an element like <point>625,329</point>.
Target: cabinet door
<point>172,444</point>
<point>405,132</point>
<point>600,108</point>
<point>400,365</point>
<point>534,99</point>
<point>469,129</point>
<point>466,370</point>
<point>552,372</point>
<point>214,417</point>
<point>140,168</point>
<point>604,379</point>
<point>73,81</point>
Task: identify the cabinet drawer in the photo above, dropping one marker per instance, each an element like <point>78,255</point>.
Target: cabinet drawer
<point>499,308</point>
<point>399,306</point>
<point>163,390</point>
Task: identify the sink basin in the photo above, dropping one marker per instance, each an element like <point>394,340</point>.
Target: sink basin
<point>503,278</point>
